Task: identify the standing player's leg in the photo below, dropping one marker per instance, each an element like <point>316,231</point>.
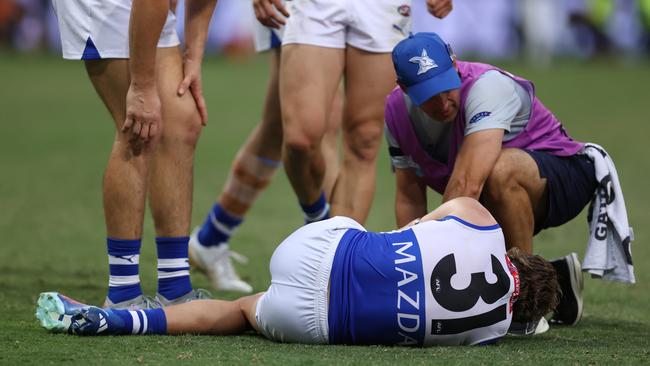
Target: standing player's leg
<point>250,173</point>
<point>124,185</point>
<point>369,78</point>
<point>170,178</point>
<point>330,144</point>
<point>309,78</point>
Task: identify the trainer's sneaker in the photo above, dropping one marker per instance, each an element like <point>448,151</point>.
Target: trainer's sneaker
<point>529,328</point>
<point>139,303</point>
<point>61,314</point>
<point>569,276</point>
<point>197,294</point>
<point>215,262</point>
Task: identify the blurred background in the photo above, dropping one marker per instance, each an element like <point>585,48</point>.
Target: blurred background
<point>537,30</point>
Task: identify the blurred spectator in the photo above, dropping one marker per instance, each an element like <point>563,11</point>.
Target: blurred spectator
<point>9,17</point>
<point>543,25</point>
<point>485,28</point>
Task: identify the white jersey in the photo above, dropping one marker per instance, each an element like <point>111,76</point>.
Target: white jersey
<point>469,284</point>
<point>438,283</point>
<point>99,29</point>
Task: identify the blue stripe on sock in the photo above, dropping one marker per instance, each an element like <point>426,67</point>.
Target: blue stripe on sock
<point>123,248</point>
<point>169,248</point>
<point>209,235</point>
<point>118,294</point>
<point>157,321</point>
<point>119,247</point>
<point>123,270</point>
<point>173,248</point>
<point>121,321</point>
<point>270,162</point>
<point>173,288</point>
<point>315,207</point>
<point>173,269</point>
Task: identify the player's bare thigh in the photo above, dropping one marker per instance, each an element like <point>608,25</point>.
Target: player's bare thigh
<point>111,80</point>
<point>309,78</point>
<point>248,306</point>
<point>110,77</point>
<point>180,115</point>
<point>369,78</point>
<point>266,141</point>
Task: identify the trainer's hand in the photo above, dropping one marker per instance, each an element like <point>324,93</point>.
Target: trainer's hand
<point>143,115</point>
<point>439,8</point>
<point>192,81</point>
<point>266,12</point>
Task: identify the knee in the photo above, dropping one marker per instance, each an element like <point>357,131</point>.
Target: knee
<point>300,142</point>
<point>183,132</point>
<point>502,178</point>
<point>363,140</point>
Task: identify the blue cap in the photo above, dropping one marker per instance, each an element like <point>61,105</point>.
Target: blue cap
<point>424,65</point>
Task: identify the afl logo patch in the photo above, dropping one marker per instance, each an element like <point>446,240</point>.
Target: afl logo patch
<point>404,10</point>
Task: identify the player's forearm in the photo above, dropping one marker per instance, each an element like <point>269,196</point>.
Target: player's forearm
<point>197,20</point>
<point>463,187</point>
<point>147,20</point>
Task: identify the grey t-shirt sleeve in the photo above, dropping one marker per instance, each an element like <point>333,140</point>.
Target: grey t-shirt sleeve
<point>398,159</point>
<point>492,103</point>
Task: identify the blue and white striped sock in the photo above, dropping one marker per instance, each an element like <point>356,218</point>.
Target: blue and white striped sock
<point>173,267</point>
<point>123,263</point>
<point>217,227</point>
<point>317,211</point>
<point>146,321</point>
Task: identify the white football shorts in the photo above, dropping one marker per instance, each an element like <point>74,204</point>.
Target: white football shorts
<point>267,38</point>
<point>294,308</point>
<point>99,29</point>
<point>370,25</point>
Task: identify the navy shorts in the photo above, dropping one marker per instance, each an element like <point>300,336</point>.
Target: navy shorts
<point>570,183</point>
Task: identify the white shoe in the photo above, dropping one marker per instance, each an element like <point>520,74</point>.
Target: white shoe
<point>529,329</point>
<point>215,262</point>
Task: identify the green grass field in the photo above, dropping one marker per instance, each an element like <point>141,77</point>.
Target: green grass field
<point>55,136</point>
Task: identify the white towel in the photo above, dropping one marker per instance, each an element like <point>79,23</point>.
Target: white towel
<point>608,255</point>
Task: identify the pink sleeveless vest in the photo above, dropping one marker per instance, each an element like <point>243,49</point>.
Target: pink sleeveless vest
<point>543,131</point>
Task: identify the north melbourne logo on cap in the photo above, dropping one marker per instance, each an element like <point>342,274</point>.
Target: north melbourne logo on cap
<point>424,61</point>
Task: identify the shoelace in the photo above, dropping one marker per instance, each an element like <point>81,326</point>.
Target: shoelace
<point>202,294</point>
<point>149,302</point>
<point>227,270</point>
<point>238,257</point>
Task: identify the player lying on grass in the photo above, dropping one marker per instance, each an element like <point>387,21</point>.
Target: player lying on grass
<point>468,129</point>
<point>445,279</point>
